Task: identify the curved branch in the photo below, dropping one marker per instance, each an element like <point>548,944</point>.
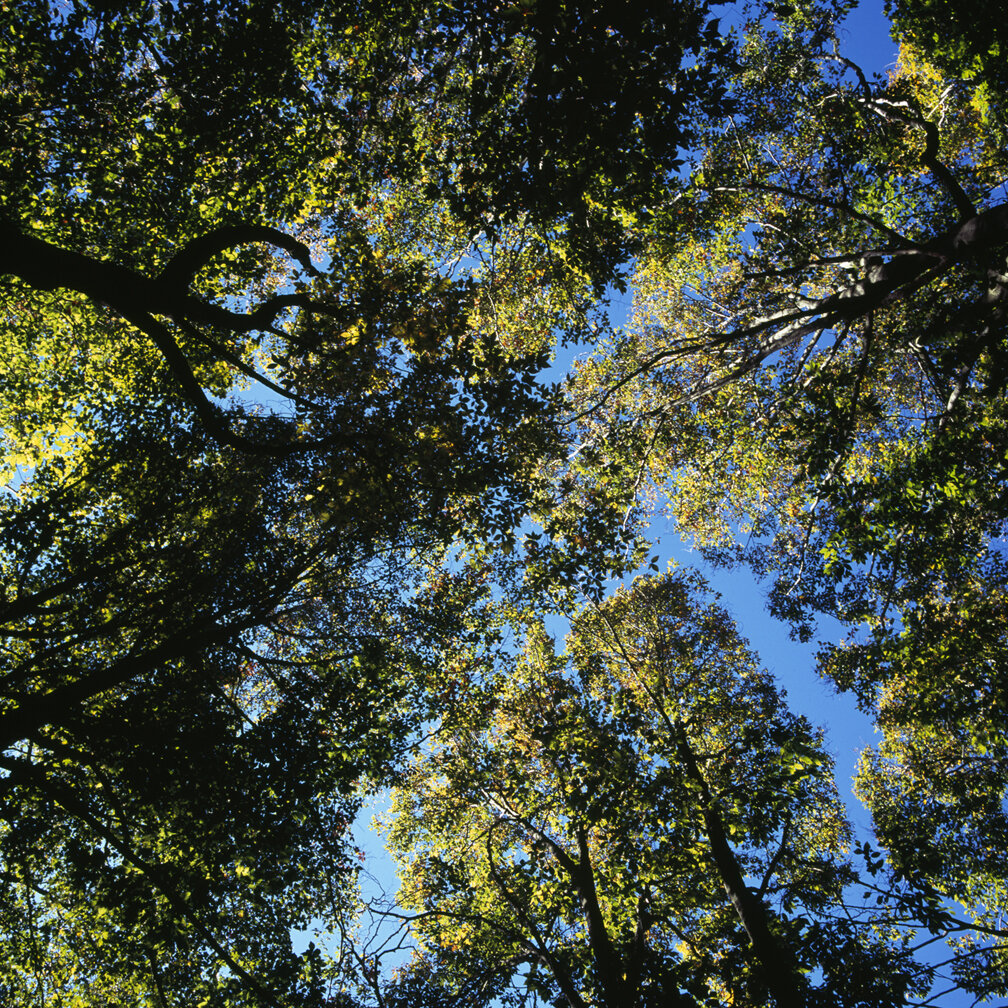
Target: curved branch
<point>901,112</point>
<point>888,110</point>
<point>239,365</point>
<point>209,414</point>
<point>195,254</point>
<point>138,299</point>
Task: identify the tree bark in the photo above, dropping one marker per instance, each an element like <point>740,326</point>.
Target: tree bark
<point>777,967</point>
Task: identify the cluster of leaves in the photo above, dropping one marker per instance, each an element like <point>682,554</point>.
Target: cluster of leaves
<point>567,117</point>
<point>962,46</point>
<point>198,670</point>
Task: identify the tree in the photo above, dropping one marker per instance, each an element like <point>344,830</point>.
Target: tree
<point>817,358</point>
<point>639,821</point>
<point>815,381</point>
<point>817,363</point>
<point>201,593</point>
<point>105,199</point>
<point>809,337</point>
<point>186,616</point>
<point>936,783</point>
<point>198,674</point>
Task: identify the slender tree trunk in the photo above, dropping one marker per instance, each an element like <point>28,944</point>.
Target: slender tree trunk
<point>777,967</point>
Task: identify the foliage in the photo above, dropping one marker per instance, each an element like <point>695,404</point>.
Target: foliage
<point>968,46</point>
<point>936,783</point>
<point>637,821</point>
<point>197,674</point>
<point>208,633</point>
<point>277,280</point>
<point>798,367</point>
<point>813,383</point>
<point>566,117</point>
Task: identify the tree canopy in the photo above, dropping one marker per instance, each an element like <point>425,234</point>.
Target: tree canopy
<point>812,382</point>
<point>291,514</point>
<point>619,824</point>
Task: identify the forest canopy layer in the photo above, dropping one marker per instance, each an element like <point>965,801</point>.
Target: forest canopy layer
<point>294,516</point>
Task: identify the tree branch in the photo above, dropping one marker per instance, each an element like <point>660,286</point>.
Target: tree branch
<point>138,299</point>
<point>541,950</point>
<point>195,254</point>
